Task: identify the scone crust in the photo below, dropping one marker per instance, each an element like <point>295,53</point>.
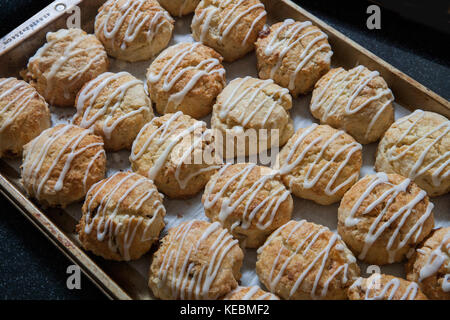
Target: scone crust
<point>250,293</point>
<point>190,255</point>
<point>303,260</point>
<point>178,8</point>
<point>186,77</point>
<point>417,146</point>
<point>68,60</point>
<point>260,201</point>
<point>24,115</point>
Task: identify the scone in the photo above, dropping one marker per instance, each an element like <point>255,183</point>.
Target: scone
<point>250,293</point>
<point>303,260</point>
<point>122,217</point>
<point>61,164</point>
<point>357,101</point>
<point>384,287</point>
<point>249,200</point>
<point>133,30</point>
<point>24,115</point>
<point>320,163</point>
<point>196,260</point>
<point>254,110</point>
<point>230,27</point>
<point>186,77</point>
<point>294,54</point>
<point>383,217</point>
<point>178,8</point>
<point>418,147</point>
<point>115,106</point>
<point>430,265</point>
<point>68,60</point>
<point>177,152</point>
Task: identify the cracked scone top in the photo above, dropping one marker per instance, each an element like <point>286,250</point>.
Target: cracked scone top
<point>303,260</point>
<point>68,60</point>
<point>294,54</point>
<point>418,147</point>
<point>186,77</point>
<point>357,101</point>
<point>196,260</point>
<point>178,8</point>
<point>320,163</point>
<point>24,114</point>
<point>254,108</point>
<point>122,217</point>
<point>383,216</point>
<point>115,106</point>
<point>133,30</point>
<point>231,27</point>
<point>249,200</point>
<point>430,265</point>
<point>250,293</point>
<point>61,164</point>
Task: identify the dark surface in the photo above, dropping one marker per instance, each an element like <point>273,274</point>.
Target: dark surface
<point>32,268</point>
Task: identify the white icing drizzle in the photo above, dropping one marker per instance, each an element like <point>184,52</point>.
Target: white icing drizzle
<point>105,221</point>
<point>389,289</point>
<point>419,167</point>
<point>187,282</point>
<point>401,215</point>
<point>251,294</point>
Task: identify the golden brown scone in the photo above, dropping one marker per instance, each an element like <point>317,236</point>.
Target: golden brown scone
<point>320,163</point>
<point>196,260</point>
<point>186,77</point>
<point>357,101</point>
<point>24,115</point>
<point>383,217</point>
<point>294,54</point>
<point>177,152</point>
<point>61,164</point>
<point>254,111</point>
<point>250,293</point>
<point>418,146</point>
<point>430,265</point>
<point>303,260</point>
<point>68,60</point>
<point>249,200</point>
<point>133,30</point>
<point>115,106</point>
<point>178,8</point>
<point>122,217</point>
<point>231,27</point>
<point>384,287</point>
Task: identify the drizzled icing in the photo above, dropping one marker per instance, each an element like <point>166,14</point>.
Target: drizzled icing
<point>111,223</point>
<point>383,222</point>
<point>389,289</point>
<point>318,259</point>
<point>253,293</point>
<point>186,276</point>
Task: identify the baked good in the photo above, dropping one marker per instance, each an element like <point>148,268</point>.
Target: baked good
<point>249,200</point>
<point>61,164</point>
<point>122,217</point>
<point>383,216</point>
<point>357,101</point>
<point>250,293</point>
<point>177,152</point>
<point>133,30</point>
<point>303,260</point>
<point>230,27</point>
<point>178,8</point>
<point>430,265</point>
<point>320,163</point>
<point>24,115</point>
<point>196,260</point>
<point>115,106</point>
<point>186,77</point>
<point>68,60</point>
<point>384,287</point>
<point>254,109</point>
<point>418,147</point>
<point>294,54</point>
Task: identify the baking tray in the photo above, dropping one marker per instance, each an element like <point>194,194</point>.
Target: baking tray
<point>128,280</point>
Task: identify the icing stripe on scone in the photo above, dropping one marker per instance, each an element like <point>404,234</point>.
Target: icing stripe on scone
<point>389,289</point>
<point>251,294</point>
